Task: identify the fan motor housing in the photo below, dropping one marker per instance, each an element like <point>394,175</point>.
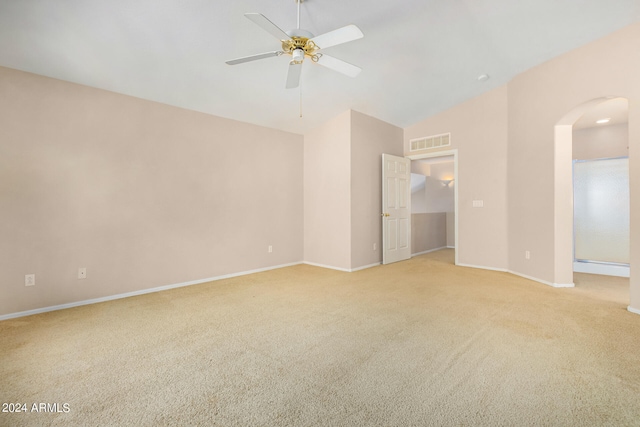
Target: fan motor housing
<point>299,40</point>
<point>303,43</point>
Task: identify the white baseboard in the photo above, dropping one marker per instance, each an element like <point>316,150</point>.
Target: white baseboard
<point>544,282</point>
<point>633,310</point>
<point>140,292</point>
<point>564,285</point>
<point>450,247</point>
<point>346,270</point>
<point>330,267</point>
<point>365,267</point>
<point>604,269</point>
<point>430,250</point>
<point>502,270</point>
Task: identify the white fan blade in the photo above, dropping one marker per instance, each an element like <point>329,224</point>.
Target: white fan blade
<point>339,65</point>
<point>253,57</point>
<point>293,75</point>
<point>267,25</point>
<point>339,36</point>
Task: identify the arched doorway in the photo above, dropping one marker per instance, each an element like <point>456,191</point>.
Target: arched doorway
<point>563,182</point>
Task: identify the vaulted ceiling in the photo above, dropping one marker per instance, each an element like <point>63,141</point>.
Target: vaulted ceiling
<point>418,57</point>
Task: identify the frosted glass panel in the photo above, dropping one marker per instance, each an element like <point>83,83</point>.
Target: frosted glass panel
<point>601,210</point>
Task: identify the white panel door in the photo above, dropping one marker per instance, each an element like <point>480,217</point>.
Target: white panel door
<point>396,208</point>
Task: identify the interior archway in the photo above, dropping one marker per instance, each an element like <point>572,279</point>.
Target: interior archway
<point>563,188</point>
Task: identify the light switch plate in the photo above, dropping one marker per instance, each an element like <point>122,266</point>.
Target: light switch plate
<point>29,279</point>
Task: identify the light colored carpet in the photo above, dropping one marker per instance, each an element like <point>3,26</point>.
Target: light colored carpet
<point>416,343</point>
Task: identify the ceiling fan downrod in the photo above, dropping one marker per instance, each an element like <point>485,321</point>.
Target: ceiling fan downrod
<point>299,1</point>
<point>298,55</point>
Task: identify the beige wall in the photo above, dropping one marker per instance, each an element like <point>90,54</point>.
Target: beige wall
<point>428,231</point>
<point>433,197</point>
<point>479,131</point>
<point>440,198</point>
<point>601,142</point>
<point>442,171</point>
<point>327,193</point>
<point>538,99</point>
<point>343,189</point>
<point>451,230</point>
<point>420,168</point>
<point>139,193</point>
<point>370,138</point>
<point>418,193</point>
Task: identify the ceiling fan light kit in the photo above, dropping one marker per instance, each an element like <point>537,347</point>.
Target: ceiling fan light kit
<point>299,43</point>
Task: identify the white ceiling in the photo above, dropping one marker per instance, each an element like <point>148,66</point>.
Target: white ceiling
<point>419,57</point>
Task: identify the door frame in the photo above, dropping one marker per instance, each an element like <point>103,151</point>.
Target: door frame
<point>446,153</point>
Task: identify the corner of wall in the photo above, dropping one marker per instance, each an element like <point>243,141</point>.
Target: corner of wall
<point>370,138</point>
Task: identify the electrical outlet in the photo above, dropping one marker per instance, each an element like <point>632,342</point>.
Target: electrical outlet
<point>82,273</point>
<point>270,249</point>
<point>375,246</point>
<point>527,255</point>
<point>29,279</point>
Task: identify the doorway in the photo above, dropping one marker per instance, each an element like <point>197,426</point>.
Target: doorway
<point>591,138</point>
<point>600,155</point>
<point>434,196</point>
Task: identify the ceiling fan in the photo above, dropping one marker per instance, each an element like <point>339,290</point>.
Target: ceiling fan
<point>300,43</point>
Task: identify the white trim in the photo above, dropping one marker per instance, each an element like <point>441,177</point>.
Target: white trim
<point>598,268</point>
<point>443,153</point>
<point>140,292</point>
<point>544,282</point>
<point>502,270</point>
<point>450,247</point>
<point>633,310</point>
<point>365,267</point>
<point>346,270</point>
<point>330,267</point>
<point>430,250</point>
<point>564,285</point>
